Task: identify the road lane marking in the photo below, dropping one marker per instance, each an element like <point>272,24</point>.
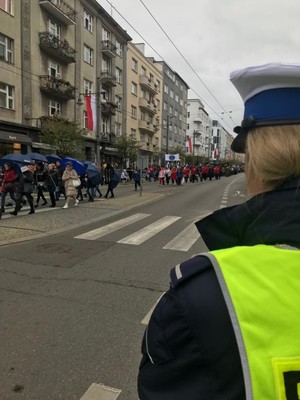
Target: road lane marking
<point>146,319</point>
<point>146,233</point>
<point>100,392</point>
<point>185,240</point>
<point>114,226</point>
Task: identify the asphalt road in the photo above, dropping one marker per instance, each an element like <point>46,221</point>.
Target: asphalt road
<point>77,286</point>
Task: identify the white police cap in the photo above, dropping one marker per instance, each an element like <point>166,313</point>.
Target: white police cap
<point>271,94</point>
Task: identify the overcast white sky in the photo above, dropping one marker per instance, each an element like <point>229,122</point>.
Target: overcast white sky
<point>216,37</point>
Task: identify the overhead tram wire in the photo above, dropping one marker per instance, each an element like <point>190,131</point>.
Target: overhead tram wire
<point>184,58</point>
<point>162,58</point>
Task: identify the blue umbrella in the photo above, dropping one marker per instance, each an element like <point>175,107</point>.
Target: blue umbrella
<point>77,165</point>
<point>17,158</point>
<point>94,174</point>
<point>116,178</point>
<point>37,157</point>
<point>86,163</point>
<point>52,158</point>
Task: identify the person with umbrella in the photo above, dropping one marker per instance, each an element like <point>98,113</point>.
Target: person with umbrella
<point>93,180</point>
<point>24,187</point>
<point>41,175</point>
<point>8,184</point>
<point>71,191</point>
<point>111,184</point>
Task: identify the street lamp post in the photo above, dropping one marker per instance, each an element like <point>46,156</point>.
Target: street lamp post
<point>168,123</point>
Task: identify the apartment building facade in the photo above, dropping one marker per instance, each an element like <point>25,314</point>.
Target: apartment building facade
<point>199,129</point>
<point>144,102</point>
<point>55,53</point>
<point>174,109</point>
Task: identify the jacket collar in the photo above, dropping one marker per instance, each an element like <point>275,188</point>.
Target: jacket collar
<point>269,218</point>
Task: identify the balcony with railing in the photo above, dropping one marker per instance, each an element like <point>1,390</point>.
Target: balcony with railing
<point>147,105</point>
<point>57,88</point>
<point>108,108</point>
<point>107,137</point>
<point>147,126</point>
<point>57,48</point>
<point>60,10</point>
<point>109,49</point>
<point>108,79</point>
<point>148,84</point>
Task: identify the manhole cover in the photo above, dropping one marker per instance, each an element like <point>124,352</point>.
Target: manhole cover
<point>53,248</point>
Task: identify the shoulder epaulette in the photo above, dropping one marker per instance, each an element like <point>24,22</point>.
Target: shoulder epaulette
<point>187,269</point>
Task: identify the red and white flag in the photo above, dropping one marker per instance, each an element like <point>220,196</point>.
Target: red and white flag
<point>190,145</point>
<point>216,152</point>
<point>91,111</point>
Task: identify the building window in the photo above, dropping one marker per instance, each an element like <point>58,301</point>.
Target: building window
<point>88,21</point>
<point>106,65</point>
<point>105,34</point>
<point>53,28</point>
<point>88,54</point>
<point>165,106</point>
<point>119,75</point>
<point>171,94</point>
<point>166,89</point>
<point>54,108</point>
<point>157,84</point>
<point>143,71</point>
<point>7,95</point>
<point>176,98</point>
<point>133,112</point>
<point>134,88</point>
<point>84,123</point>
<point>118,102</point>
<point>119,48</point>
<point>133,134</point>
<point>7,5</point>
<point>87,87</point>
<point>134,65</point>
<point>53,69</point>
<point>6,48</point>
<point>118,129</point>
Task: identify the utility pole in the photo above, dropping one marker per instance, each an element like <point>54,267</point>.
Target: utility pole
<point>167,141</point>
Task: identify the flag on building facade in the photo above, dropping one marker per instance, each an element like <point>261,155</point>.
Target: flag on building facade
<point>172,157</point>
<point>190,144</point>
<point>91,112</point>
<point>216,152</point>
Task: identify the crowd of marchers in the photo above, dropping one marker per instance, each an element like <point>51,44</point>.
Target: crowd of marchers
<point>178,175</point>
<point>30,183</point>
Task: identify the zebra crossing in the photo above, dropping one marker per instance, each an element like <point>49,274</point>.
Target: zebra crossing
<point>181,242</point>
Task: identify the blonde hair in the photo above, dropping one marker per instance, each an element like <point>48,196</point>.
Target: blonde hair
<point>273,154</point>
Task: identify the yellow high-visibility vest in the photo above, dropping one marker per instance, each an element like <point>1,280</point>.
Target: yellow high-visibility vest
<point>261,287</point>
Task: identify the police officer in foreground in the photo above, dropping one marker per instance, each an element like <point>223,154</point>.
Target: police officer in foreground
<point>229,326</point>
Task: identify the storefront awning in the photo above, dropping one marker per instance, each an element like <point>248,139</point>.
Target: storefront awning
<point>9,137</point>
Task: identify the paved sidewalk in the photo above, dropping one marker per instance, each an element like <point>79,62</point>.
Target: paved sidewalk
<point>48,221</point>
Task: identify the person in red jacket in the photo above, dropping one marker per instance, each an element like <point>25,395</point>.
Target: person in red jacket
<point>8,184</point>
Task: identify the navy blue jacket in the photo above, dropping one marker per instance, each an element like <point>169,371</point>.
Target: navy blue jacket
<point>189,348</point>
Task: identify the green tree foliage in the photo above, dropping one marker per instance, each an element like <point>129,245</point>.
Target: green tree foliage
<point>128,148</point>
<point>64,136</point>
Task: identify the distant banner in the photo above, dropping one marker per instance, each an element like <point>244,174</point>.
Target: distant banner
<point>172,157</point>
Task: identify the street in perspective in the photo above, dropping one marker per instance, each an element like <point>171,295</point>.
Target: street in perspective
<point>78,285</point>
